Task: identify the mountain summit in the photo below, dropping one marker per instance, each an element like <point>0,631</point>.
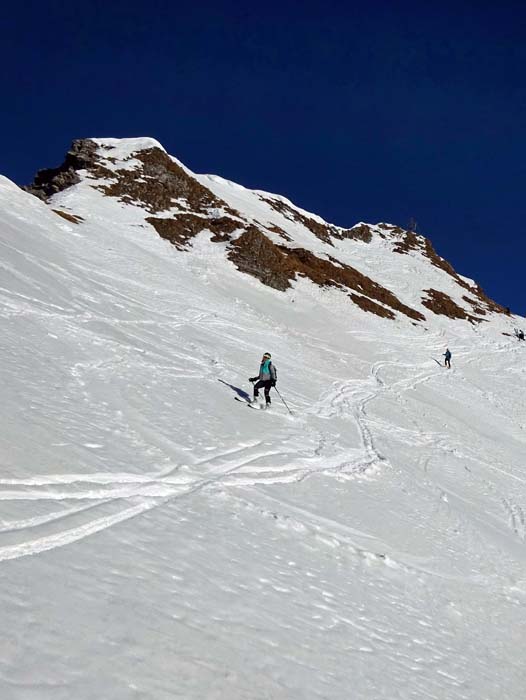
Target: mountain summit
<point>267,236</point>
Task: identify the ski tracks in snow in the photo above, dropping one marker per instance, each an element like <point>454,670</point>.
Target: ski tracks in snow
<point>95,502</point>
<point>71,507</point>
<point>350,398</point>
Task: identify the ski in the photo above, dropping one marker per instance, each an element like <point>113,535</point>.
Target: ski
<point>255,407</point>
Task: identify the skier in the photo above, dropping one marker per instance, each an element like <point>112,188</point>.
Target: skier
<point>266,379</point>
<point>447,361</point>
<point>520,335</point>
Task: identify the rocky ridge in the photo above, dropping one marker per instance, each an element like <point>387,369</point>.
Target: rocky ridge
<point>179,208</point>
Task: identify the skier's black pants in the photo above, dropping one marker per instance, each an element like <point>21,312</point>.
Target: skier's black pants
<point>267,385</point>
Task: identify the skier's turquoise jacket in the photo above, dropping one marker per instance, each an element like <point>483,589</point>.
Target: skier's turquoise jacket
<point>267,371</point>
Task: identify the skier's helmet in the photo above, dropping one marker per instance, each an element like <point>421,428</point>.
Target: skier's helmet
<point>267,355</point>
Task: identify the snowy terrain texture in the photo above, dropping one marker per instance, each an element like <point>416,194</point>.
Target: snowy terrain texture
<point>158,540</point>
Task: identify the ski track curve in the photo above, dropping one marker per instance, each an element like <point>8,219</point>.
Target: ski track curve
<point>233,467</point>
<point>237,466</point>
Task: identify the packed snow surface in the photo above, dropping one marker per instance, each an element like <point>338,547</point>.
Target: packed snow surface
<point>158,540</point>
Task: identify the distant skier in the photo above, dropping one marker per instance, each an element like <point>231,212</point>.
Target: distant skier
<point>520,335</point>
<point>266,378</point>
<point>447,361</point>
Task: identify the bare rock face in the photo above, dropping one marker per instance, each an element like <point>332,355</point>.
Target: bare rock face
<point>321,231</point>
<point>277,265</point>
<point>180,229</point>
<point>481,304</point>
<point>81,156</point>
<point>361,232</point>
<point>256,255</point>
<point>443,305</point>
<point>158,183</point>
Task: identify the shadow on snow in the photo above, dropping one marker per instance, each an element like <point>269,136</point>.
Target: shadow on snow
<point>240,392</point>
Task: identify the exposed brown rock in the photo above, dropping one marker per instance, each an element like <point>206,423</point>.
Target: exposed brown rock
<point>326,273</point>
<point>443,305</point>
<point>222,228</point>
<point>476,290</point>
<point>362,232</point>
<point>439,262</point>
<point>279,231</point>
<point>486,301</point>
<point>477,308</point>
<point>367,304</point>
<point>178,230</point>
<point>159,184</point>
<point>409,242</point>
<point>412,241</point>
<point>72,218</point>
<point>156,185</point>
<point>277,266</point>
<point>324,232</point>
<point>81,156</point>
<point>321,231</point>
<point>390,229</point>
<point>183,227</point>
<point>256,255</point>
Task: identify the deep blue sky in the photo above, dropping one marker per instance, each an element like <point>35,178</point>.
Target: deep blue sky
<point>378,111</point>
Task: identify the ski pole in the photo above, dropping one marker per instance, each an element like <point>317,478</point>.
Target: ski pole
<point>281,397</point>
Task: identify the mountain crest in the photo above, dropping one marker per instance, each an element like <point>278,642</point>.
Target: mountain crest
<point>266,235</point>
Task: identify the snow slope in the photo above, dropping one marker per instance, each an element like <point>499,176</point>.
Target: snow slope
<point>159,540</point>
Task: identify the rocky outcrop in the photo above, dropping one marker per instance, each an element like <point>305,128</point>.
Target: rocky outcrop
<point>372,307</point>
<point>256,255</point>
<point>322,231</point>
<point>159,184</point>
<point>412,241</point>
<point>81,156</point>
<point>183,227</point>
<point>409,241</point>
<point>361,232</point>
<point>443,305</point>
<point>276,229</point>
<point>276,266</point>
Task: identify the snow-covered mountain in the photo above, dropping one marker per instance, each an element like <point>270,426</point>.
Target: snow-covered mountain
<point>160,540</point>
<point>262,234</point>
